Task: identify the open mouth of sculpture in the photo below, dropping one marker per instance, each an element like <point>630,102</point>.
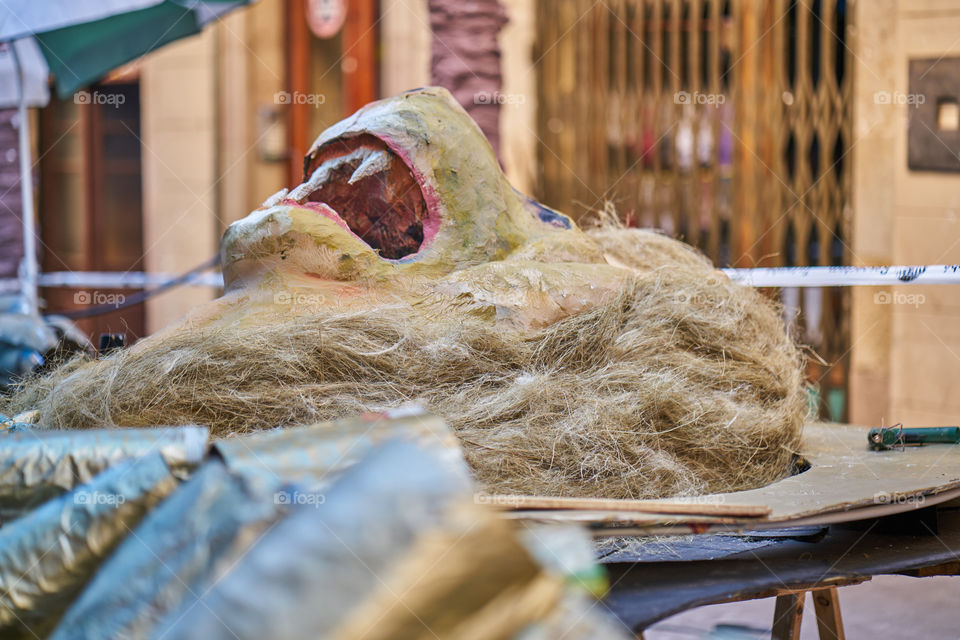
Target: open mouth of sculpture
<point>369,190</point>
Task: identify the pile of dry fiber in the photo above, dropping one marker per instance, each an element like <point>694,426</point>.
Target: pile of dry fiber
<point>684,384</point>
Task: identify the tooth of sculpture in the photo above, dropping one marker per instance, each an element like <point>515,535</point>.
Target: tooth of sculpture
<point>372,164</point>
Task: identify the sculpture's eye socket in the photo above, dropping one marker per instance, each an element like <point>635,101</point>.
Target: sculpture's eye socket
<point>372,190</point>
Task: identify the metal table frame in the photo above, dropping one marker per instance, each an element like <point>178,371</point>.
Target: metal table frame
<point>646,587</point>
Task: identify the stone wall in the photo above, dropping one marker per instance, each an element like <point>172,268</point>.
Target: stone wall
<point>466,57</point>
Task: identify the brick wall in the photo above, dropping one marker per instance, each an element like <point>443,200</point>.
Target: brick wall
<point>11,231</point>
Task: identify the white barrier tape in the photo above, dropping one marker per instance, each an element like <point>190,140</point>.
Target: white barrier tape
<point>763,277</point>
<point>846,276</point>
<point>113,280</point>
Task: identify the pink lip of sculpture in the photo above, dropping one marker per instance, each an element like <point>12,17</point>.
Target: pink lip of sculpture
<point>431,223</point>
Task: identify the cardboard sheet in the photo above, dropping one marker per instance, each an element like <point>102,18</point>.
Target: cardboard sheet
<point>846,482</point>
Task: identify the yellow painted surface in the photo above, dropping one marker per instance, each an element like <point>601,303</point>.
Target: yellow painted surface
<point>906,354</point>
<point>235,129</point>
<point>518,113</point>
<point>925,353</point>
<point>203,102</point>
<point>265,69</point>
<point>405,43</point>
<point>179,160</point>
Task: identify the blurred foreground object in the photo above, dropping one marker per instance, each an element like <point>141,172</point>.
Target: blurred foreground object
<point>393,546</point>
<point>28,341</point>
<point>36,466</point>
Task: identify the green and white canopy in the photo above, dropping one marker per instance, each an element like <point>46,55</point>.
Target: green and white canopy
<point>79,41</point>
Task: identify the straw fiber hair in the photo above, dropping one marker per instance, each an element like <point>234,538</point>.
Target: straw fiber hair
<point>682,384</point>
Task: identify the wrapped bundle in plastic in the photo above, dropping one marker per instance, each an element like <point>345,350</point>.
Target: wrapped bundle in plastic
<point>36,465</point>
<point>47,556</point>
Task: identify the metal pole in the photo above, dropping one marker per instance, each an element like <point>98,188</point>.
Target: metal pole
<point>28,267</point>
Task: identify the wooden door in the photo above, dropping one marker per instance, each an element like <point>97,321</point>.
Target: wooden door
<point>327,79</point>
<point>91,201</point>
